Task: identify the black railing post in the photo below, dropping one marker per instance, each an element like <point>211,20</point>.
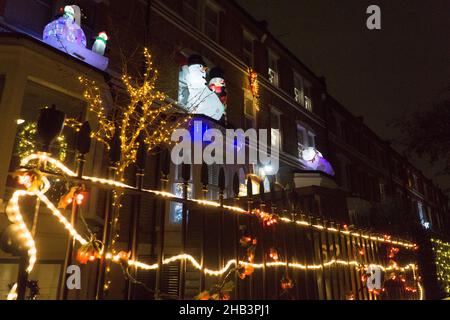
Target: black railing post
<point>83,145</point>
<point>165,172</point>
<point>186,173</point>
<point>106,237</point>
<point>140,169</point>
<point>262,207</point>
<point>236,186</point>
<point>221,216</point>
<point>71,240</point>
<point>114,157</point>
<point>249,209</point>
<point>205,182</point>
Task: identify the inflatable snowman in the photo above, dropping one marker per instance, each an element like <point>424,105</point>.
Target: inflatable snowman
<point>194,94</point>
<point>66,28</point>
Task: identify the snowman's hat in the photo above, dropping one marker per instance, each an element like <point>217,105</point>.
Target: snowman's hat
<point>196,59</point>
<point>216,72</point>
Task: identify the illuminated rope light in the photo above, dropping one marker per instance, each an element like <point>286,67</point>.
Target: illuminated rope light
<point>13,211</point>
<point>67,171</point>
<point>231,262</point>
<point>421,295</point>
<point>12,295</point>
<point>14,215</point>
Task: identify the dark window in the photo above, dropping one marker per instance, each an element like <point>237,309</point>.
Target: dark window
<point>190,10</point>
<point>211,23</point>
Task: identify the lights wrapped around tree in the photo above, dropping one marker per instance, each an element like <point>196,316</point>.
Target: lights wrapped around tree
<point>27,142</point>
<point>441,251</point>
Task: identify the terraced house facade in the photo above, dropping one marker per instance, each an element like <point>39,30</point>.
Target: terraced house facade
<point>354,183</point>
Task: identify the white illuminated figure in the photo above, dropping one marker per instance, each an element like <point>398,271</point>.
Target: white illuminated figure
<point>314,160</point>
<point>99,46</point>
<point>194,94</point>
<point>65,28</point>
<point>65,34</point>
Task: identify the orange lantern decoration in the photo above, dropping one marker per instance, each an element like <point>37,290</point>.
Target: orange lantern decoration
<point>287,284</point>
<point>273,254</point>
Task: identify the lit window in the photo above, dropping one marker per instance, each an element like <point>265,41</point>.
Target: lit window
<point>177,188</point>
<point>299,93</point>
<point>306,138</point>
<point>275,126</point>
<point>211,23</point>
<point>422,216</point>
<point>308,97</point>
<point>247,49</point>
<point>249,110</point>
<point>273,69</point>
<point>242,183</point>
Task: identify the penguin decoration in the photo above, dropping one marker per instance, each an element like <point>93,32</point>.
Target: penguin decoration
<point>217,84</point>
<point>99,45</point>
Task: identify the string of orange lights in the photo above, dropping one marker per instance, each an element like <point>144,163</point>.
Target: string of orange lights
<point>15,216</point>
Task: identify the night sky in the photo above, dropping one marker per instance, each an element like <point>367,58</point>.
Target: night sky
<point>381,74</point>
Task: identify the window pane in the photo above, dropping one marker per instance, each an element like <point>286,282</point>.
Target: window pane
<point>275,121</point>
<point>190,8</point>
<point>211,16</point>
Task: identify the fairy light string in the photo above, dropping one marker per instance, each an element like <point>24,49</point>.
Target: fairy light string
<point>145,118</point>
<point>301,223</point>
<point>15,216</point>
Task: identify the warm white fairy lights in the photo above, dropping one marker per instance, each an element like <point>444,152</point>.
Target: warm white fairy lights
<point>293,265</point>
<point>15,216</point>
<point>46,158</point>
<point>441,251</point>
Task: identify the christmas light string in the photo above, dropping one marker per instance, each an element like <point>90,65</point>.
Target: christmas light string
<point>117,258</point>
<point>113,183</point>
<point>15,216</point>
<point>441,252</point>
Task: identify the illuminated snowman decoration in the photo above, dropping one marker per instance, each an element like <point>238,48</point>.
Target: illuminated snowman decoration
<point>314,160</point>
<point>66,28</point>
<point>65,34</point>
<point>194,94</point>
<point>100,43</point>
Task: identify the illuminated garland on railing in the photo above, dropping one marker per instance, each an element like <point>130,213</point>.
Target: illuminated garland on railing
<point>15,216</point>
<point>45,157</point>
<point>14,210</point>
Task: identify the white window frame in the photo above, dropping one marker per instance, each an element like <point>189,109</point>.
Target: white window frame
<point>273,70</point>
<point>307,134</point>
<point>299,89</point>
<point>309,105</point>
<point>248,98</point>
<point>186,5</point>
<point>277,113</point>
<point>215,8</point>
<point>247,36</point>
